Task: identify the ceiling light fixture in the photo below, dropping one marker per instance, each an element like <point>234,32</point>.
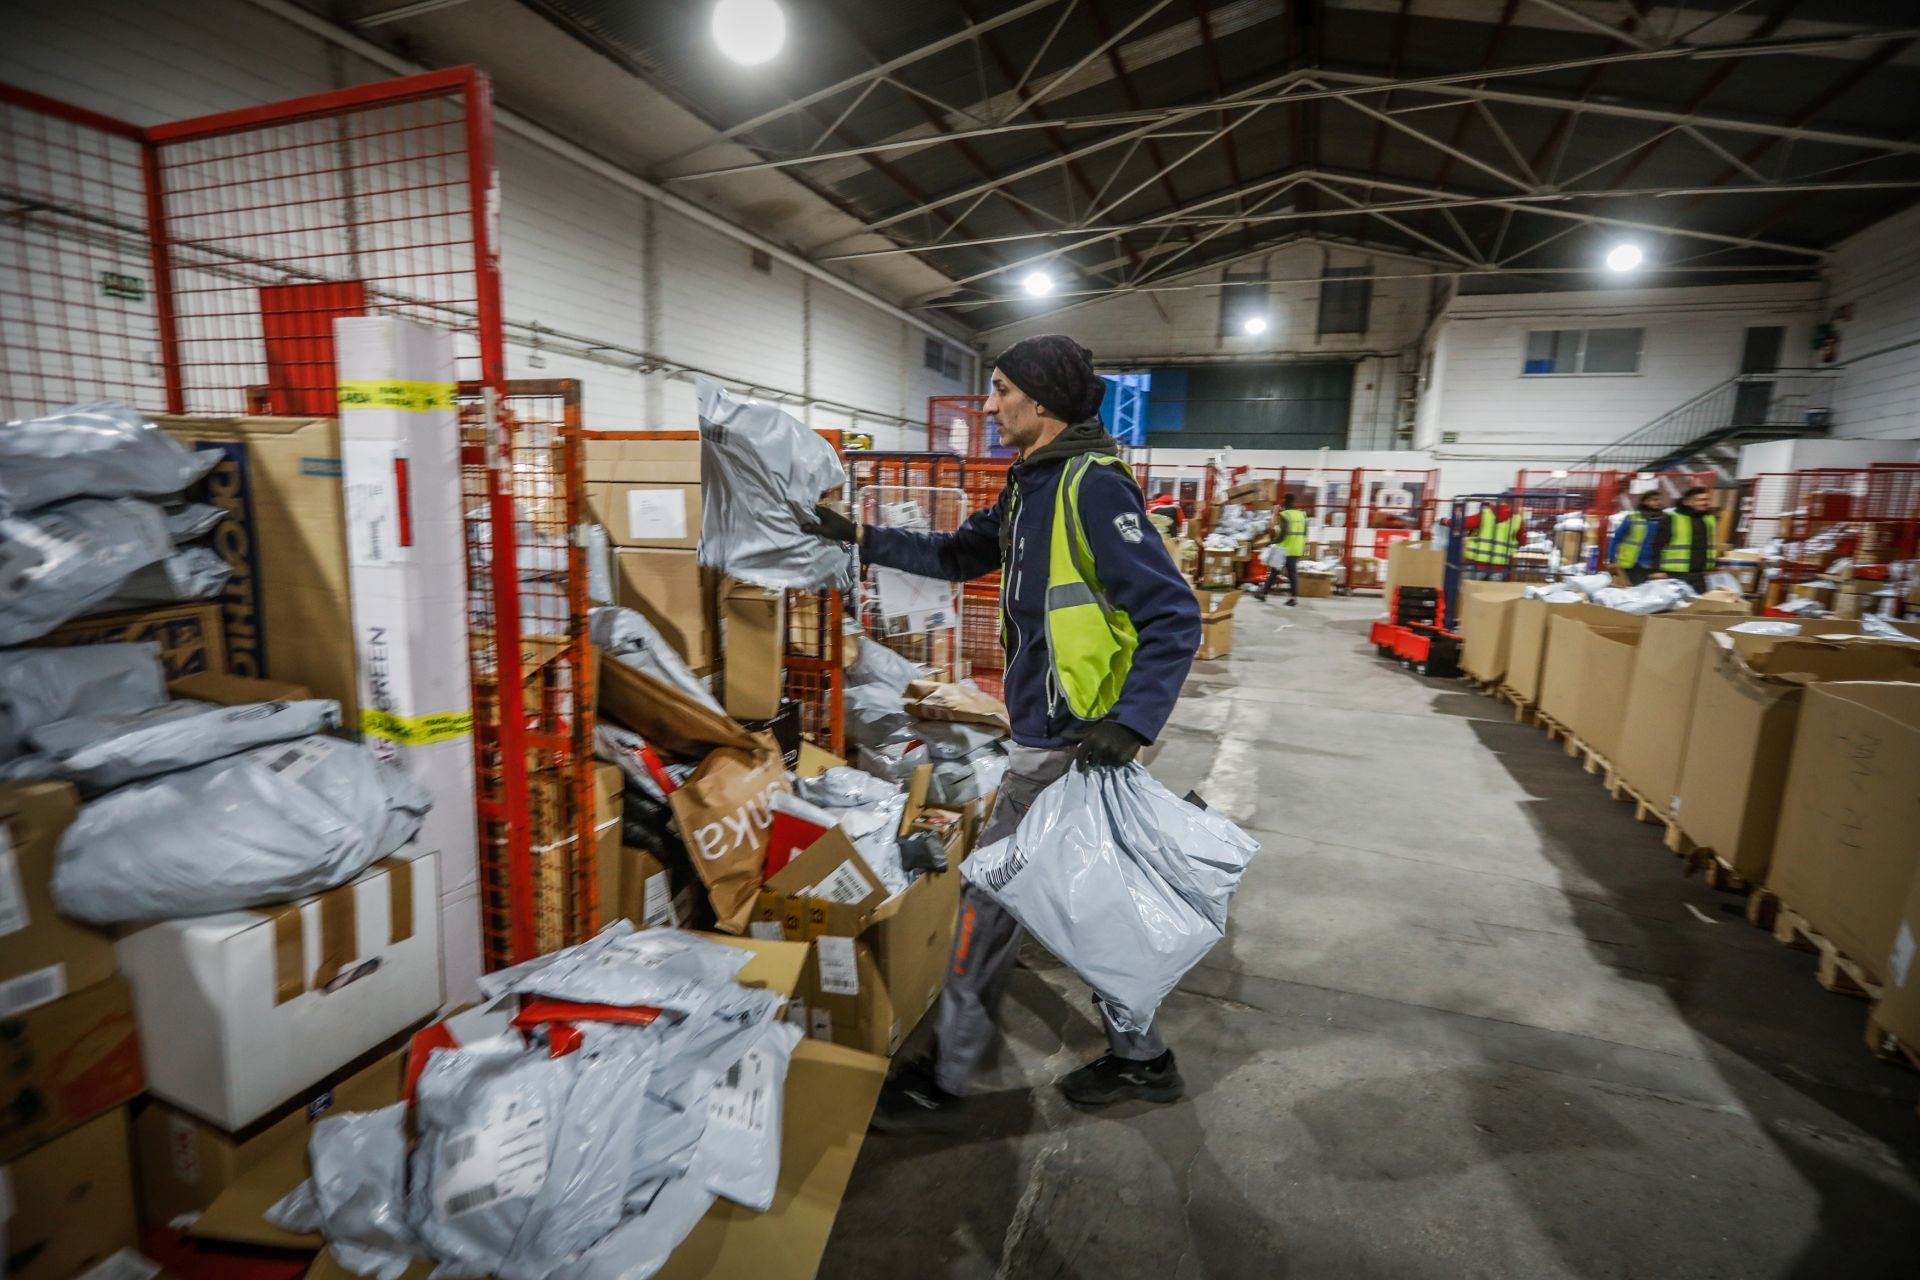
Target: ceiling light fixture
<point>749,31</point>
<point>1254,324</point>
<point>1038,283</point>
<point>1624,257</point>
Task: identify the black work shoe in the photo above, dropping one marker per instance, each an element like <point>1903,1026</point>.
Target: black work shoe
<point>1112,1079</point>
<point>912,1101</point>
<point>1292,601</point>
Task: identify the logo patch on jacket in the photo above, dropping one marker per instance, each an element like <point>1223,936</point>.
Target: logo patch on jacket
<point>1129,526</point>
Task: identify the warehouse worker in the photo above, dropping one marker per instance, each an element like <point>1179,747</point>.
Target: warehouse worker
<point>1165,510</point>
<point>1286,552</point>
<point>1493,535</point>
<point>1099,629</point>
<point>1687,546</point>
<point>1631,550</point>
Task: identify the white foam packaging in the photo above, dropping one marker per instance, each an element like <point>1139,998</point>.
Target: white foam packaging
<point>241,1011</point>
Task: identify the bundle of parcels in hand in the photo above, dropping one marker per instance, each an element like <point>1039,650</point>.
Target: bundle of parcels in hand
<point>579,1126</point>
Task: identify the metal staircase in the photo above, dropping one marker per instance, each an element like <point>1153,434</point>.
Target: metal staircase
<point>1708,430</point>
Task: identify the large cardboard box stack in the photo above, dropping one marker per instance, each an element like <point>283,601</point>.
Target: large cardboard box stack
<point>1216,621</point>
<point>647,494</point>
<point>1659,704</point>
<point>1584,654</point>
<point>1740,737</point>
<point>407,576</point>
<point>1848,847</point>
<point>1486,627</point>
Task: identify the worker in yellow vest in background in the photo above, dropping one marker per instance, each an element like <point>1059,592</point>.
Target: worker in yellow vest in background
<point>1493,535</point>
<point>1290,543</point>
<point>1632,550</point>
<point>1688,547</point>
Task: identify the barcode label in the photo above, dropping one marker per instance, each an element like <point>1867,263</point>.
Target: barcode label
<point>656,909</point>
<point>13,898</point>
<point>31,990</point>
<point>839,972</point>
<point>295,762</point>
<point>743,1099</point>
<point>502,1159</point>
<point>124,1265</point>
<point>845,885</point>
<point>766,930</point>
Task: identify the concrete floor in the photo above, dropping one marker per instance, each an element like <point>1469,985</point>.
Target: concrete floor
<point>1469,1020</point>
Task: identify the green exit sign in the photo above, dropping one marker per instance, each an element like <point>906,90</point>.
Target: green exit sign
<point>115,285</point>
<point>1449,437</point>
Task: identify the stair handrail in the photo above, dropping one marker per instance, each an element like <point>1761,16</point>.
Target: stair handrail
<point>1651,428</point>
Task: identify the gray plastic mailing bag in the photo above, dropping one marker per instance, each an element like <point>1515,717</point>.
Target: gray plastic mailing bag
<point>60,562</point>
<point>272,824</point>
<point>99,753</point>
<point>877,664</point>
<point>764,472</point>
<point>40,686</point>
<point>357,1196</point>
<point>622,965</point>
<point>186,573</point>
<point>103,450</point>
<point>1124,881</point>
<point>626,634</point>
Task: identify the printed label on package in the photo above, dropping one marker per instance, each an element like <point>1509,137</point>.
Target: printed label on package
<point>839,973</point>
<point>656,908</point>
<point>31,990</point>
<point>13,898</point>
<point>502,1159</point>
<point>844,885</point>
<point>124,1265</point>
<point>373,499</point>
<point>656,513</point>
<point>743,1098</point>
<point>296,761</point>
<point>766,930</point>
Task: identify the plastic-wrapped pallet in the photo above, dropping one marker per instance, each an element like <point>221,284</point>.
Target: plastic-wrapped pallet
<point>764,473</point>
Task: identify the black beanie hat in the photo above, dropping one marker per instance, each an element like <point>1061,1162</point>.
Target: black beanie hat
<point>1057,373</point>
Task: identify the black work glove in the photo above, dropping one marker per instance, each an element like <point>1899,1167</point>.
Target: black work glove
<point>1108,745</point>
<point>831,525</point>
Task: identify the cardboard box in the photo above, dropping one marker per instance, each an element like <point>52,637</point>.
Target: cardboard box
<point>1486,627</point>
<point>665,516</point>
<point>641,461</point>
<point>1218,569</point>
<point>1216,621</point>
<point>754,629</point>
<point>1740,737</point>
<point>192,637</point>
<point>1529,638</point>
<point>829,1099</point>
<point>68,1206</point>
<point>66,1063</point>
<point>1606,686</point>
<point>1315,585</point>
<point>1254,493</point>
<point>246,1009</point>
<point>287,609</point>
<point>228,1180</point>
<point>879,962</point>
<point>1899,1007</point>
<point>234,691</point>
<point>1659,703</point>
<point>1574,665</point>
<point>43,955</point>
<point>672,591</point>
<point>1848,845</point>
<point>655,895</point>
<point>1415,564</point>
<point>1365,572</point>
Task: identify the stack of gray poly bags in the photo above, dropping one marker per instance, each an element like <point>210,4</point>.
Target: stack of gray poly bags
<point>86,524</point>
<point>898,718</point>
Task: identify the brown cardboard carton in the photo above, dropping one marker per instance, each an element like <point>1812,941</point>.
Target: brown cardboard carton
<point>1606,686</point>
<point>1566,669</point>
<point>641,461</point>
<point>666,516</point>
<point>43,955</point>
<point>1530,639</point>
<point>1740,737</point>
<point>653,894</point>
<point>187,1166</point>
<point>1849,837</point>
<point>286,608</point>
<point>1315,585</point>
<point>192,637</point>
<point>66,1063</point>
<point>1659,702</point>
<point>1899,1007</point>
<point>754,629</point>
<point>879,961</point>
<point>234,691</point>
<point>71,1202</point>
<point>1218,568</point>
<point>1216,622</point>
<point>672,591</point>
<point>1415,564</point>
<point>829,1099</point>
<point>1485,620</point>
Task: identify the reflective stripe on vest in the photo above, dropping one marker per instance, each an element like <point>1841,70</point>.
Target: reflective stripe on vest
<point>1090,642</point>
<point>1494,541</point>
<point>1677,555</point>
<point>1295,541</point>
<point>1628,556</point>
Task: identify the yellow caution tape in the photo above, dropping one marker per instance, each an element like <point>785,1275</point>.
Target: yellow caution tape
<point>409,397</point>
<point>416,731</point>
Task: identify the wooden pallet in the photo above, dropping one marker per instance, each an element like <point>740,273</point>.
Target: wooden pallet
<point>1836,971</point>
<point>1644,810</point>
<point>1523,710</point>
<point>1886,1046</point>
<point>1592,761</point>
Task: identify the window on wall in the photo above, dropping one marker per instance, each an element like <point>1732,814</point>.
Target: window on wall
<point>1243,294</point>
<point>942,359</point>
<point>1563,351</point>
<point>1346,299</point>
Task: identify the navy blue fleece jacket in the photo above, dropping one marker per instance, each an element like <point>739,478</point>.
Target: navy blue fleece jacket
<point>1015,534</point>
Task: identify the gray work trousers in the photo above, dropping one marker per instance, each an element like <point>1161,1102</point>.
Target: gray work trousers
<point>986,941</point>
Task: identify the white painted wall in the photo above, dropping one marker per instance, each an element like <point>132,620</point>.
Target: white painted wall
<point>1692,343</point>
<point>575,248</point>
<point>1773,456</point>
<point>1877,274</point>
<point>1183,326</point>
